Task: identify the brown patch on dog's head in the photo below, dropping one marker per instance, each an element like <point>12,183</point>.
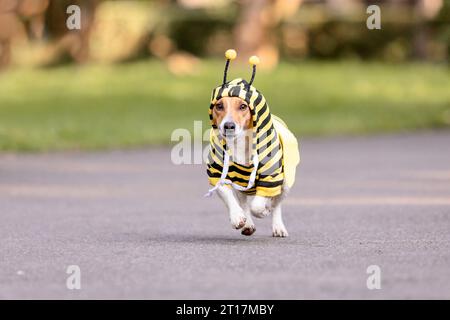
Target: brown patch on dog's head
<point>232,113</point>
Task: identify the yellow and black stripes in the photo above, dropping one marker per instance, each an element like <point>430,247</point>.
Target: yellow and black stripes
<point>265,142</point>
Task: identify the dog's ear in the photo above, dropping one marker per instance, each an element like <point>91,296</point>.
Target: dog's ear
<point>249,121</point>
<point>250,124</point>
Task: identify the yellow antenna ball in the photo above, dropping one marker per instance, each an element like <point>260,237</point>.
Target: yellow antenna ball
<point>230,54</point>
<point>254,60</point>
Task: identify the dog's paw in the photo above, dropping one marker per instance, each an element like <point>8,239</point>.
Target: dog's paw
<point>279,231</point>
<point>238,221</point>
<point>248,230</point>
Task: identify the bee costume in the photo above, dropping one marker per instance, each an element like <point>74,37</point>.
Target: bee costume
<point>275,153</point>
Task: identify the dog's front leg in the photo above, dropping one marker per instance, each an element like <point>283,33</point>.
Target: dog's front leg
<point>237,216</point>
<point>249,227</point>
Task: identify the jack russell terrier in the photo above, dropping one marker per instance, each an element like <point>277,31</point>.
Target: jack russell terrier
<point>252,153</point>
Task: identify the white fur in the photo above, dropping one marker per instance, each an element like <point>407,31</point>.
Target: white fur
<point>237,215</point>
<point>238,202</point>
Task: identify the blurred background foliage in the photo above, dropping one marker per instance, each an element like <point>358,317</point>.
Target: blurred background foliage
<point>34,31</point>
<point>138,69</point>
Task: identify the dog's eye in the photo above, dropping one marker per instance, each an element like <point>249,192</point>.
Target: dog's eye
<point>219,106</point>
<point>243,107</point>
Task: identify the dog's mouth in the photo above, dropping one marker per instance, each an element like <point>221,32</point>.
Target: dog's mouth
<point>229,133</point>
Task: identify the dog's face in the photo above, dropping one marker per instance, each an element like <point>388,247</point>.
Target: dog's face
<point>232,116</point>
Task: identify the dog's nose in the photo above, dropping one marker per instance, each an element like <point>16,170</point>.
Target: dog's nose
<point>229,126</point>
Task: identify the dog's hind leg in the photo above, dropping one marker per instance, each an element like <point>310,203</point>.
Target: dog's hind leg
<point>249,227</point>
<point>260,206</point>
<point>278,228</point>
<point>237,215</point>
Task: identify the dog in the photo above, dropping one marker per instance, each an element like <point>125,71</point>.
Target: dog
<point>232,117</point>
<point>253,156</point>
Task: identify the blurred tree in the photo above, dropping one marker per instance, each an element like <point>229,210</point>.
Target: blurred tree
<point>255,30</point>
<point>34,11</point>
<point>71,43</point>
<point>17,19</point>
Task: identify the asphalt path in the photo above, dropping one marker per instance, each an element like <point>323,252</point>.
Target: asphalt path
<point>138,226</point>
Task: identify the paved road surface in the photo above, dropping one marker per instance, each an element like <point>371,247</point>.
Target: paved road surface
<point>138,225</point>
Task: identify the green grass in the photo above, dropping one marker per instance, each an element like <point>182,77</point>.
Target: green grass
<point>141,103</point>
